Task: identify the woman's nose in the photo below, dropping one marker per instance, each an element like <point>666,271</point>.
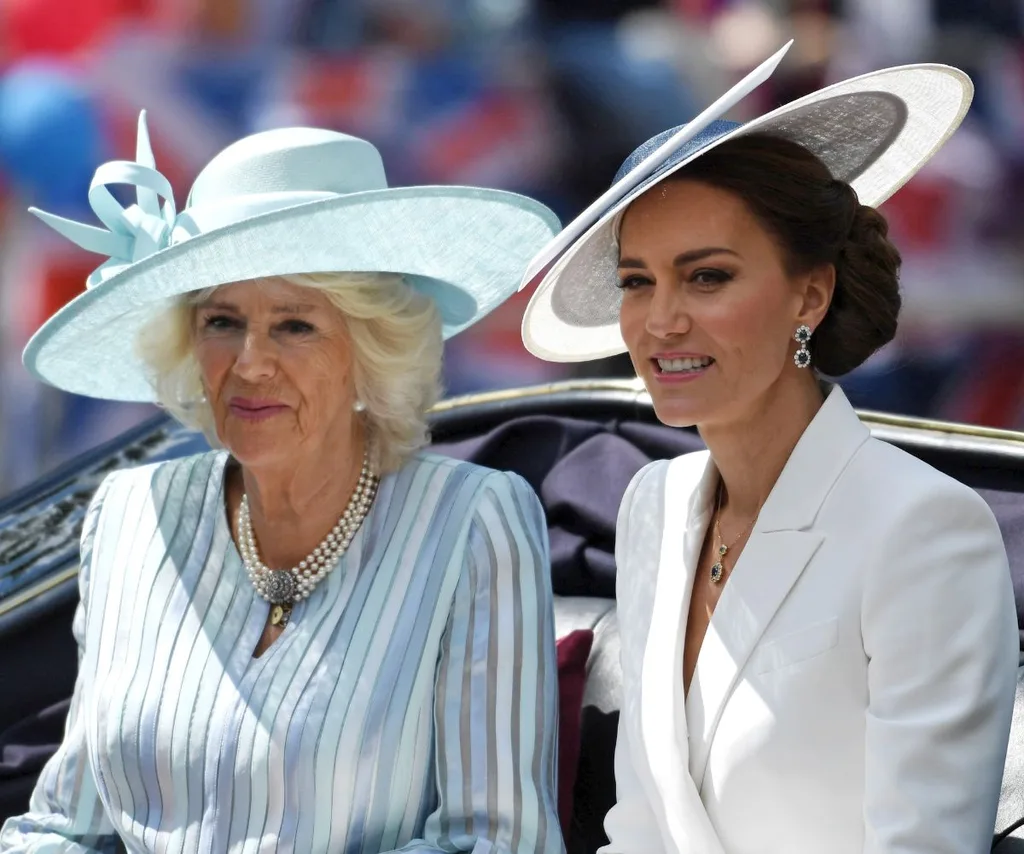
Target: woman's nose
<point>667,314</point>
<point>256,359</point>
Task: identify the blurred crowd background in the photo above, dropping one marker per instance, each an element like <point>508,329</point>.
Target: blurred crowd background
<point>545,97</point>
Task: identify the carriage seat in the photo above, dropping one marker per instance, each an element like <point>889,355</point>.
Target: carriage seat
<point>594,790</point>
<point>578,452</point>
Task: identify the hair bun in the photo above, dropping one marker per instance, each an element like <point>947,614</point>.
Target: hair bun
<point>866,303</point>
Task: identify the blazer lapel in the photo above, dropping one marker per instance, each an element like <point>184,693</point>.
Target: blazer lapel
<point>689,484</point>
<point>770,565</point>
<point>779,548</point>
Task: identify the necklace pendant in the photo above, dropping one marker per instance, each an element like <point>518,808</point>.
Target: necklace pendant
<point>280,586</point>
<point>280,614</point>
<point>716,572</point>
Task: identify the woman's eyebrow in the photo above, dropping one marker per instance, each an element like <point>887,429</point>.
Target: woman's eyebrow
<point>289,308</point>
<point>294,308</point>
<point>683,258</point>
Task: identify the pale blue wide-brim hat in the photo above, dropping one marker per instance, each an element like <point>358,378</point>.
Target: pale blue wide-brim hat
<point>280,202</point>
<point>874,132</point>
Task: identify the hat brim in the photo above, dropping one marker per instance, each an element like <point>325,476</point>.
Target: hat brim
<point>874,131</point>
<point>464,247</point>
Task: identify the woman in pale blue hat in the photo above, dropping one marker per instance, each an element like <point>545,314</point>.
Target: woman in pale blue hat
<point>318,638</point>
<point>819,637</point>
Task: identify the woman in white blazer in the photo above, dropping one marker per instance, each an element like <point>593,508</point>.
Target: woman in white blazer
<point>819,642</point>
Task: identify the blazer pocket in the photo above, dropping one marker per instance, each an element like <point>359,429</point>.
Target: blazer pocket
<point>795,647</point>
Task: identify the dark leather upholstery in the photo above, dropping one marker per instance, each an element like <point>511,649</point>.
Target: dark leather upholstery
<point>595,777</point>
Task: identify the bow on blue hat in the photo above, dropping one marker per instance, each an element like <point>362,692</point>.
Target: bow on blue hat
<point>135,232</point>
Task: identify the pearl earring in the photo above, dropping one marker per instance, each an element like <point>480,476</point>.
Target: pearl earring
<point>802,357</point>
<point>359,406</point>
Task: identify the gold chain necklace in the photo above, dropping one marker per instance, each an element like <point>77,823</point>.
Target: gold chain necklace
<point>718,568</point>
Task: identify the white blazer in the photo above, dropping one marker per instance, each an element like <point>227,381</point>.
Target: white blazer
<point>855,687</point>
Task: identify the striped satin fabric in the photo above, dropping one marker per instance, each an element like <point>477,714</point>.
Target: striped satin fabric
<point>410,703</point>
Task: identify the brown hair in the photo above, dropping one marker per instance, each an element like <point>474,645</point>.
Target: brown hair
<point>816,220</point>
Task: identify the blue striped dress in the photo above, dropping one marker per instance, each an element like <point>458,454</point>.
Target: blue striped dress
<point>411,702</point>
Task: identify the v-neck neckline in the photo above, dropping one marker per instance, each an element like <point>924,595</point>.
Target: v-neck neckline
<point>259,609</point>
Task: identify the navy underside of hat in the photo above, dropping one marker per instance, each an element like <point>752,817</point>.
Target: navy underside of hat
<point>713,131</point>
<point>711,134</point>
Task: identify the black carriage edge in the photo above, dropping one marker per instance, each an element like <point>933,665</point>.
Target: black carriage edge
<point>565,438</point>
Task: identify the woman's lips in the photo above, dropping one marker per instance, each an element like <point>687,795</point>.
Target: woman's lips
<point>672,368</point>
<point>255,410</point>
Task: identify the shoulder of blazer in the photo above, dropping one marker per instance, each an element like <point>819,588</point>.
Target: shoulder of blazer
<point>646,491</point>
<point>902,482</point>
<point>908,507</point>
<point>642,517</point>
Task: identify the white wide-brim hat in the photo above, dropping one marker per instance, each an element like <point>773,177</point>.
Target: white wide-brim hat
<point>280,202</point>
<point>874,132</point>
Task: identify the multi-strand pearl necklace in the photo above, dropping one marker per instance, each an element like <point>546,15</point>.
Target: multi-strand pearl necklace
<point>284,587</point>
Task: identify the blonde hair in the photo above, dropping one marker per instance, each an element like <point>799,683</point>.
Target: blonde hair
<point>397,354</point>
